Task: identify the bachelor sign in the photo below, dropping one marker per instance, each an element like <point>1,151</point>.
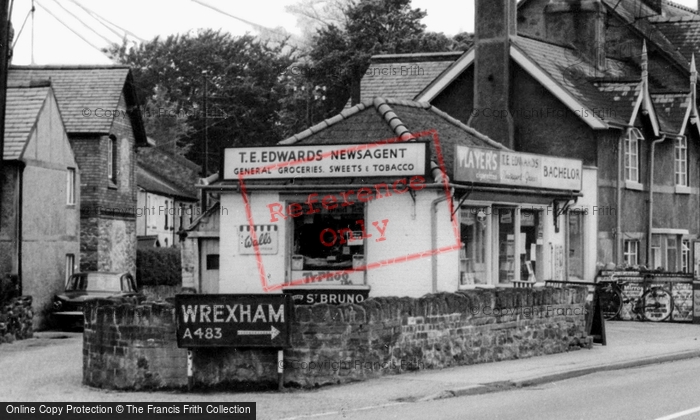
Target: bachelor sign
<point>493,166</point>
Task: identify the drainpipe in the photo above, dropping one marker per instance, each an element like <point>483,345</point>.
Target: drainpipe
<point>651,197</point>
<point>618,221</point>
<point>20,212</point>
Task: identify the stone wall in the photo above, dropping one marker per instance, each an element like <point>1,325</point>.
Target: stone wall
<point>130,347</point>
<point>16,319</point>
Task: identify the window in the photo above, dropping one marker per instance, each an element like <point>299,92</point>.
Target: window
<point>473,221</point>
<point>631,252</point>
<point>681,160</point>
<point>655,253</point>
<point>212,261</point>
<point>329,239</point>
<point>166,215</point>
<point>70,186</point>
<point>632,155</point>
<point>70,266</point>
<point>685,256</point>
<point>671,254</point>
<point>576,250</point>
<point>112,159</point>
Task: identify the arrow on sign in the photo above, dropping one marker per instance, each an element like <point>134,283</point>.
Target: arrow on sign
<point>274,332</point>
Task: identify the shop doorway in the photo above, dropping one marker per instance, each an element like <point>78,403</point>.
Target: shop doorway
<point>504,235</point>
<point>209,266</point>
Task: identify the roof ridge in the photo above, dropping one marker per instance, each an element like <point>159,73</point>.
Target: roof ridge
<point>384,109</point>
<point>70,67</point>
<point>679,6</point>
<point>343,115</point>
<point>674,19</point>
<point>441,54</point>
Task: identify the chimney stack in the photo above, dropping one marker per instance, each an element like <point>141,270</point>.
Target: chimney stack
<point>495,25</point>
<point>580,23</point>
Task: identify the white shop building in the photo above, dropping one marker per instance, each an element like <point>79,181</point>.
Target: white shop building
<point>395,198</point>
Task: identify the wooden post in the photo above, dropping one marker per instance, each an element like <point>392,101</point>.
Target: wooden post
<point>280,368</point>
<point>190,374</point>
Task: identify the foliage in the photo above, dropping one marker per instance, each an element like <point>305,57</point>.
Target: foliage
<point>158,267</point>
<point>166,122</point>
<point>244,85</point>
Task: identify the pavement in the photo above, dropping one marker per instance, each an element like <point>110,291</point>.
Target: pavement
<point>629,344</point>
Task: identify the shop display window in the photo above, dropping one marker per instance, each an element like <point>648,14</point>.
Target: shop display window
<point>329,239</point>
<point>473,230</point>
<point>506,245</point>
<point>529,243</point>
<point>576,245</point>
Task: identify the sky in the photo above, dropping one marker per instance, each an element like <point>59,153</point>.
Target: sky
<point>54,43</point>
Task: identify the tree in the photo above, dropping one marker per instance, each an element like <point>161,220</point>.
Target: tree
<point>245,86</point>
<point>340,55</point>
<point>166,121</point>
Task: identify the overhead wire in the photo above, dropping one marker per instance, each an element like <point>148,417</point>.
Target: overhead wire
<point>21,28</point>
<point>105,22</point>
<point>70,28</point>
<point>107,40</point>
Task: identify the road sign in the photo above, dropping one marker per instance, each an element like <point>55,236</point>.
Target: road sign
<point>233,320</point>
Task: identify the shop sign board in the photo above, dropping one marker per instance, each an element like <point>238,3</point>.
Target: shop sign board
<point>493,166</point>
<point>327,296</point>
<point>381,159</point>
<point>233,320</point>
<point>266,238</point>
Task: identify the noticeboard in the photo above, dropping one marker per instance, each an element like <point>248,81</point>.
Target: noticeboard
<point>233,320</point>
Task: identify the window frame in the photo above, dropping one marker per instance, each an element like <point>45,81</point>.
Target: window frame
<point>70,186</point>
<point>112,159</point>
<point>631,151</point>
<point>685,256</point>
<point>630,253</point>
<point>70,267</point>
<point>680,158</point>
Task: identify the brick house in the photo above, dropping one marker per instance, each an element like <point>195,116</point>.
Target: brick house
<point>610,82</point>
<point>40,219</point>
<point>167,198</point>
<point>97,105</point>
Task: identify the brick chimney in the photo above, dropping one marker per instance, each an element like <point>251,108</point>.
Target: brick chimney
<point>580,23</point>
<point>495,24</point>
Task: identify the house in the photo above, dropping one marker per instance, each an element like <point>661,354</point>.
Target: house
<point>377,201</point>
<point>167,198</point>
<point>40,208</point>
<point>100,112</point>
<point>610,82</point>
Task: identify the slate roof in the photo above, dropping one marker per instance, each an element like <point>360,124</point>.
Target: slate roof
<point>22,110</point>
<point>381,119</point>
<point>622,97</point>
<point>80,88</point>
<point>671,109</point>
<point>403,76</point>
<point>156,184</point>
<point>682,32</point>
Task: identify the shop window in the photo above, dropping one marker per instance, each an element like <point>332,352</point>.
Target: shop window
<point>631,252</point>
<point>576,245</point>
<point>656,261</point>
<point>681,162</point>
<point>506,244</point>
<point>329,239</point>
<point>473,230</point>
<point>212,261</point>
<point>70,186</point>
<point>671,254</point>
<point>632,155</point>
<point>685,256</point>
<point>530,232</point>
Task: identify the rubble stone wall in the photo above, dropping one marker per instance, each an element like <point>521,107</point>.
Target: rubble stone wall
<point>338,344</point>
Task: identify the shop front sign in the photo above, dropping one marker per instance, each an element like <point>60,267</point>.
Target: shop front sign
<point>380,159</point>
<point>266,237</point>
<point>233,320</point>
<point>492,166</point>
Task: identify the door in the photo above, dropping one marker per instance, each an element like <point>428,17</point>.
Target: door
<point>209,266</point>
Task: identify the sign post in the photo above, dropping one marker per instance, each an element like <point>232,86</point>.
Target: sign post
<point>241,321</point>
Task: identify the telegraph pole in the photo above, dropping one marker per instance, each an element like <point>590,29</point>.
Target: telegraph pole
<point>4,65</point>
<point>205,167</point>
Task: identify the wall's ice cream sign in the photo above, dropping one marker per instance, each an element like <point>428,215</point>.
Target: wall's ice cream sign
<point>487,166</point>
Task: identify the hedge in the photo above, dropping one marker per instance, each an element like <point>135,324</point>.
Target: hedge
<point>158,267</point>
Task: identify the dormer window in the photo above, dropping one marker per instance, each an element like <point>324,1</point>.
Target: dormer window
<point>112,159</point>
<point>632,155</point>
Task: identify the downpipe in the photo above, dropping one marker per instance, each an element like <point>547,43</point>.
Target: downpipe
<point>651,197</point>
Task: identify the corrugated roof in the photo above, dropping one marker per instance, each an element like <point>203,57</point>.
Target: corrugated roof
<point>79,90</point>
<point>22,110</point>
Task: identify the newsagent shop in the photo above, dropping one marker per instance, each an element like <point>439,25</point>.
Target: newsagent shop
<point>359,205</point>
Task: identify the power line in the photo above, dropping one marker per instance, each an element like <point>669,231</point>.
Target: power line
<point>69,28</point>
<point>253,24</point>
<point>102,20</point>
<point>20,29</point>
<point>107,40</point>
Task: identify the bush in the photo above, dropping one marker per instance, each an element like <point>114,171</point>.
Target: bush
<point>9,288</point>
<point>158,267</point>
